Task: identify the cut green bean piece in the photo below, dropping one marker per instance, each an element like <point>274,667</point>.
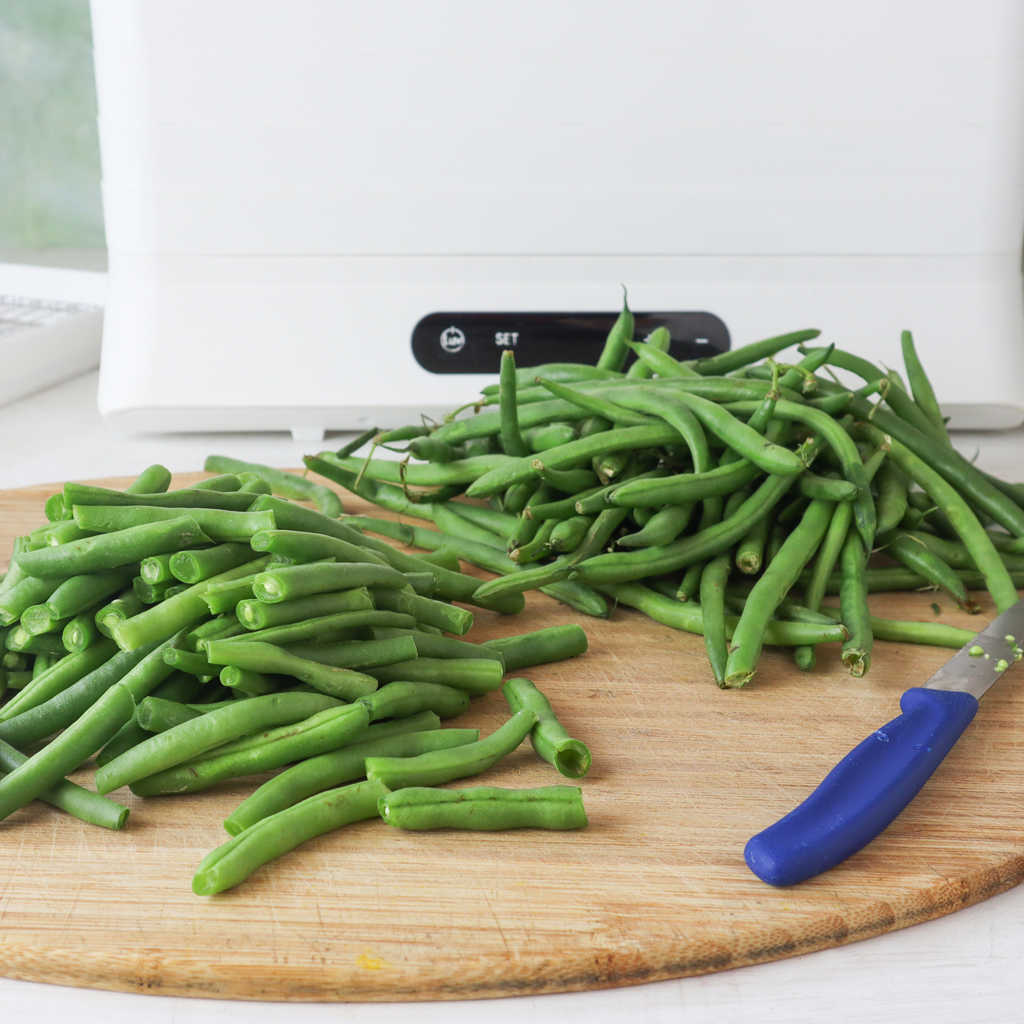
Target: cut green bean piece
<point>549,737</point>
<point>191,739</point>
<point>273,836</point>
<point>423,609</point>
<point>217,524</point>
<point>187,497</point>
<point>75,800</point>
<point>555,643</point>
<point>320,733</point>
<point>289,485</point>
<point>484,808</point>
<point>256,614</point>
<point>196,566</point>
<point>476,676</point>
<point>268,658</point>
<point>404,737</point>
<point>402,698</point>
<point>438,767</point>
<point>112,550</point>
<point>296,581</point>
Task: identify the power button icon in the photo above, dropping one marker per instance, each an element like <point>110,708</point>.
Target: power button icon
<point>452,339</point>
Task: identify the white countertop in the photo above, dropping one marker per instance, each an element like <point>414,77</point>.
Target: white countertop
<point>962,969</point>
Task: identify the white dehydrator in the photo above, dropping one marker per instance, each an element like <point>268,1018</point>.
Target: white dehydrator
<point>291,187</point>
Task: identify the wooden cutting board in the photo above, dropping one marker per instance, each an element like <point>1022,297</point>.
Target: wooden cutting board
<point>655,888</point>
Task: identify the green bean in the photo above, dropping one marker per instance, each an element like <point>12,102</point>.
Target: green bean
<point>217,524</point>
<point>853,600</point>
<point>19,639</point>
<point>191,739</point>
<point>688,616</point>
<point>737,357</point>
<point>974,536</point>
<point>438,767</point>
<point>660,362</point>
<point>779,576</point>
<point>36,620</point>
<point>58,677</point>
<point>86,731</point>
<point>273,836</point>
<point>550,435</point>
<point>156,569</point>
<point>364,654</point>
<point>156,714</point>
<point>500,523</point>
<point>892,497</point>
<point>153,479</point>
<point>196,566</point>
<point>537,547</point>
<point>924,396</point>
<point>750,551</point>
<point>124,606</point>
<point>254,614</point>
<point>954,469</point>
<point>475,676</point>
<point>809,485</point>
<point>511,440</point>
<point>899,631</point>
<point>172,614</point>
<point>357,442</point>
<point>540,647</point>
<point>569,533</point>
<point>253,483</point>
<point>549,737</point>
<point>449,521</point>
<point>293,582</point>
<point>179,686</point>
<point>81,593</point>
<point>597,405</point>
<point>323,732</point>
<point>433,613</point>
<point>712,602</point>
<point>659,340</point>
<point>399,738</point>
<point>662,528</point>
<point>187,497</point>
<point>288,484</point>
<point>25,594</point>
<point>110,551</point>
<point>683,488</point>
<point>915,554</point>
<point>81,632</point>
<point>462,471</point>
<point>75,800</point>
<point>569,481</point>
<point>151,593</point>
<point>221,482</point>
<point>224,597</point>
<point>191,662</point>
<point>264,657</point>
<point>518,470</point>
<point>323,627</point>
<point>622,567</point>
<point>484,808</point>
<point>615,350</point>
<point>401,698</point>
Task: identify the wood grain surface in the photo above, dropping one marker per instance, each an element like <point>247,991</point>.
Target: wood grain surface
<point>655,888</point>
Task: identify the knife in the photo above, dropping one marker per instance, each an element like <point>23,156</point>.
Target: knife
<point>874,782</point>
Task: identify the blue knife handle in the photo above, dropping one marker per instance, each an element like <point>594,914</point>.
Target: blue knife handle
<point>865,791</point>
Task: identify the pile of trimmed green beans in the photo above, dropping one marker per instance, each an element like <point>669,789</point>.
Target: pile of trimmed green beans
<point>180,638</point>
<point>726,496</point>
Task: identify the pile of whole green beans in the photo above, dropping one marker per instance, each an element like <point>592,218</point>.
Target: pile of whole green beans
<point>185,637</point>
<point>725,496</point>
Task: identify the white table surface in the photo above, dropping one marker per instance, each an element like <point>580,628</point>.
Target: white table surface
<point>962,969</point>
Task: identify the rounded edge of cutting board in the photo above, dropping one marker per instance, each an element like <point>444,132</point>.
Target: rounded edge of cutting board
<point>755,924</point>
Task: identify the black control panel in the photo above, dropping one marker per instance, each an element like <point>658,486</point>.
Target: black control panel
<point>474,342</point>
